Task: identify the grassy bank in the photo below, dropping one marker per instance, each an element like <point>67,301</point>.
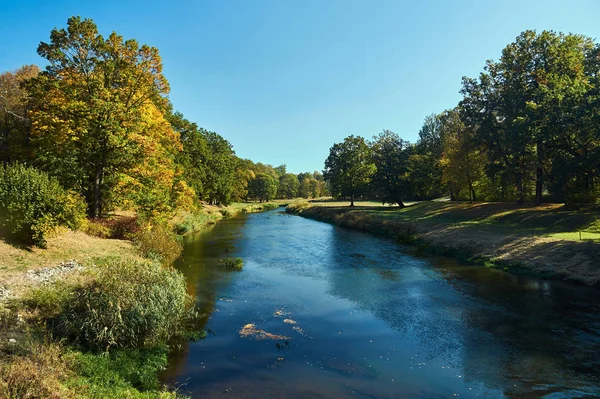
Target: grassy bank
<point>93,314</point>
<point>189,222</point>
<point>527,240</point>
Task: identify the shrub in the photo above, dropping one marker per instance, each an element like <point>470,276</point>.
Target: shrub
<point>130,305</point>
<point>33,205</point>
<point>232,263</point>
<point>159,242</point>
<point>117,226</point>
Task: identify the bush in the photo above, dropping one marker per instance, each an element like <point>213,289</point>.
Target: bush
<point>33,205</point>
<point>159,242</point>
<point>120,227</point>
<point>130,305</point>
<point>232,263</point>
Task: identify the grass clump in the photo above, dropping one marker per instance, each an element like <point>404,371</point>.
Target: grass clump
<point>232,263</point>
<point>129,305</point>
<point>159,243</point>
<point>298,207</point>
<point>33,205</point>
<point>189,222</point>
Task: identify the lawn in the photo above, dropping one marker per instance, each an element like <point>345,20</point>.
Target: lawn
<point>549,220</point>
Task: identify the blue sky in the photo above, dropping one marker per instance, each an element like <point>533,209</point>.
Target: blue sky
<point>283,80</point>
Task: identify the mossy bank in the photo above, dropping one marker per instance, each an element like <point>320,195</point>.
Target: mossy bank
<point>572,261</point>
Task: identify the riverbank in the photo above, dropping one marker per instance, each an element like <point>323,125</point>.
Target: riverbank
<point>38,287</point>
<point>499,247</point>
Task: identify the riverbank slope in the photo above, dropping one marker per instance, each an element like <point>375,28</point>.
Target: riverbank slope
<point>518,245</point>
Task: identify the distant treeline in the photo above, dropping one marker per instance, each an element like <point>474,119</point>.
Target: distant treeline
<point>98,118</point>
<point>526,130</point>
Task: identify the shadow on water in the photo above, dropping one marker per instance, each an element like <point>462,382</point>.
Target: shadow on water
<point>368,318</point>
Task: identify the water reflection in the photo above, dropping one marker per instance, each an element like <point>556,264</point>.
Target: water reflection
<point>377,320</point>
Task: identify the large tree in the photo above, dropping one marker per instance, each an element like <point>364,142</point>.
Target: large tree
<point>14,118</point>
<point>90,108</point>
<point>390,157</point>
<point>349,167</point>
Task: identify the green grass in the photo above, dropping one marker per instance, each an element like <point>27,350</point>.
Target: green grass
<point>232,263</point>
<point>550,220</point>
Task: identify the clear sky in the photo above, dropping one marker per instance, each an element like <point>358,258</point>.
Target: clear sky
<point>283,80</point>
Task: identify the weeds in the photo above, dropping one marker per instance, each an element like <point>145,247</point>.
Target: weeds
<point>232,263</point>
<point>130,305</point>
<point>158,242</point>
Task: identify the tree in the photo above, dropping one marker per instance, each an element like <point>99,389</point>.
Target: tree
<point>288,186</point>
<point>263,187</point>
<point>462,162</point>
<point>391,162</point>
<point>220,165</point>
<point>89,107</point>
<point>348,167</point>
<point>14,118</point>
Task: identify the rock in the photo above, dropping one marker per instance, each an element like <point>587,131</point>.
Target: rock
<point>12,341</point>
<point>49,274</point>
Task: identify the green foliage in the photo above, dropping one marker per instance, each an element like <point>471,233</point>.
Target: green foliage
<point>263,187</point>
<point>159,242</point>
<point>349,168</point>
<point>288,186</point>
<point>390,157</point>
<point>33,205</point>
<point>131,373</point>
<point>232,263</point>
<point>49,300</point>
<point>190,222</point>
<point>129,305</point>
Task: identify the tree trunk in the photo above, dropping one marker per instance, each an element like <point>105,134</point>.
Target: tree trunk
<point>539,175</point>
<point>520,188</point>
<point>400,203</point>
<point>352,200</point>
<point>95,209</point>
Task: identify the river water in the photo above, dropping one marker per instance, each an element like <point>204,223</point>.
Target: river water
<point>363,317</point>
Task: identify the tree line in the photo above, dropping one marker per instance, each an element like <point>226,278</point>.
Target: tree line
<point>98,118</point>
<point>526,130</point>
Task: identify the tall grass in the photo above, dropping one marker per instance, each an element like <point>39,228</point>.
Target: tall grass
<point>159,242</point>
<point>129,305</point>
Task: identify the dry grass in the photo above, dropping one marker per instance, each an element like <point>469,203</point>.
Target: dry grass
<point>15,261</point>
<point>39,374</point>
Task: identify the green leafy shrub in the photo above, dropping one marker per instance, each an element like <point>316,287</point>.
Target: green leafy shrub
<point>232,263</point>
<point>159,242</point>
<point>129,305</point>
<point>33,205</point>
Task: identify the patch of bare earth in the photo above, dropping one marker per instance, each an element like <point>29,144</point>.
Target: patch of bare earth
<point>574,261</point>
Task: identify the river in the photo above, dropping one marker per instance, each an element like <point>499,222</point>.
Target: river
<point>363,317</point>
